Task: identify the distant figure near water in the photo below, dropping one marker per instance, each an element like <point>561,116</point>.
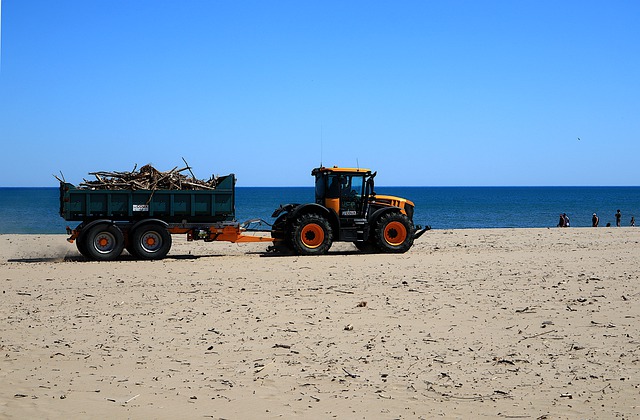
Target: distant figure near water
<point>595,220</point>
<point>564,220</point>
<point>618,218</point>
<point>633,221</point>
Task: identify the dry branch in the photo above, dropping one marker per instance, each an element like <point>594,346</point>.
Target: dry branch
<point>148,178</point>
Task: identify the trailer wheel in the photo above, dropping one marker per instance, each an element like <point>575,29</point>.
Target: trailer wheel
<point>102,243</point>
<point>81,244</point>
<point>150,242</point>
<point>394,233</point>
<point>311,235</point>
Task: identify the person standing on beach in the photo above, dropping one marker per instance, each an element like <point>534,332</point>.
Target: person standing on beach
<point>618,217</point>
<point>633,221</point>
<point>595,220</point>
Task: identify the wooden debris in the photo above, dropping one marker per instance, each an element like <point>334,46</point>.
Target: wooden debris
<point>344,291</point>
<point>148,178</point>
<point>536,335</point>
<point>281,346</point>
<point>131,399</point>
<point>525,310</point>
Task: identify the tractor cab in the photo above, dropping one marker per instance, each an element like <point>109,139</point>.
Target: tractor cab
<point>349,192</point>
<point>344,190</point>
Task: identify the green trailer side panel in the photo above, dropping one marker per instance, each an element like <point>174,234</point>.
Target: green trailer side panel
<point>173,206</point>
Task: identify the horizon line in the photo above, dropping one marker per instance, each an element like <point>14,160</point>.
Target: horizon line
<point>406,186</point>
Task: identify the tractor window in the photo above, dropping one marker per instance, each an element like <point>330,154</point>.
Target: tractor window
<point>352,186</point>
<point>327,186</point>
<point>320,188</point>
<point>351,195</point>
<point>333,187</point>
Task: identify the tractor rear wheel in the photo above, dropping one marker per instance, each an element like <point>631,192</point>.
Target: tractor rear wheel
<point>150,242</point>
<point>279,232</point>
<point>394,233</point>
<point>102,243</point>
<point>311,235</point>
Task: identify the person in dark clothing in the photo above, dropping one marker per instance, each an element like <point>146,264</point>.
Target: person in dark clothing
<point>561,221</point>
<point>595,220</point>
<point>633,221</point>
<point>618,218</point>
<point>566,220</point>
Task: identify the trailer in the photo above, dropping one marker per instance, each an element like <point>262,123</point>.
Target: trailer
<point>142,221</point>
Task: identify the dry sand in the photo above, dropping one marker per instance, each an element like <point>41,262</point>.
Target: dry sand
<point>508,323</point>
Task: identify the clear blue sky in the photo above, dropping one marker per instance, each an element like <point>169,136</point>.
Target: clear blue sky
<point>430,93</point>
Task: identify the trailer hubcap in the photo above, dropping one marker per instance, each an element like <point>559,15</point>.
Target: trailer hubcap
<point>151,241</point>
<point>312,235</point>
<point>104,242</point>
<point>395,233</point>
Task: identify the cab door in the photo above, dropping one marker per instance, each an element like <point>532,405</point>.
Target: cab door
<point>351,192</point>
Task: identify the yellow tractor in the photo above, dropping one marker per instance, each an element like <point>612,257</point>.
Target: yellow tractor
<point>346,210</point>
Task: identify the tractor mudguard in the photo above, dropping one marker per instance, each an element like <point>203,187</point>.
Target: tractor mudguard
<point>296,209</point>
<point>310,207</point>
<point>284,208</point>
<point>292,211</point>
<point>381,211</point>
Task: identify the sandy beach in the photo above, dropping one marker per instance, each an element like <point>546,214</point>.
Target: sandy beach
<point>495,323</point>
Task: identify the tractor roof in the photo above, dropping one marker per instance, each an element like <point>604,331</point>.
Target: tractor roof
<point>335,169</point>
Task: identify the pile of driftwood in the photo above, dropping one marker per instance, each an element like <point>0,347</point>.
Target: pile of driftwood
<point>148,178</point>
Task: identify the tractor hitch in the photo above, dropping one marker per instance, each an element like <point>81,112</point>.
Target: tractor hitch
<point>420,231</point>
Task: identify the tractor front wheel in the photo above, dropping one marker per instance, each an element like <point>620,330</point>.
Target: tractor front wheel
<point>394,233</point>
<point>311,235</point>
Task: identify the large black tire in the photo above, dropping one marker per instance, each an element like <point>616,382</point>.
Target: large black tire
<point>81,244</point>
<point>311,235</point>
<point>102,242</point>
<point>150,242</point>
<point>394,233</point>
<point>280,232</point>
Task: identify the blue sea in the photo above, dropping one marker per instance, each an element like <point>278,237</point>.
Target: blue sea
<point>35,210</point>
